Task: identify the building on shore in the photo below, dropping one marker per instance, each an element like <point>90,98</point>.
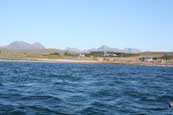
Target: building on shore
<point>151,59</point>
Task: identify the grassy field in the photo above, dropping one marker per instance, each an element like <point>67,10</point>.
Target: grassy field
<point>60,54</point>
<point>22,54</point>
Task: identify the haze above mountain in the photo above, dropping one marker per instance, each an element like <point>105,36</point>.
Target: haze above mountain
<point>21,45</point>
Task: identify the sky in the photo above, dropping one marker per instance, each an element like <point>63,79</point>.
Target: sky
<point>142,24</point>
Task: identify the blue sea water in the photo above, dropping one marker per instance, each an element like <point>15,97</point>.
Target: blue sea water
<point>28,88</point>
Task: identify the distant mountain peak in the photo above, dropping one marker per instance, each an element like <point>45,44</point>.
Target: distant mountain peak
<point>109,49</point>
<point>73,50</point>
<point>132,50</point>
<point>104,48</point>
<point>21,45</point>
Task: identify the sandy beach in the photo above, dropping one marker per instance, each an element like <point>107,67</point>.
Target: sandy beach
<point>54,60</point>
<point>85,61</point>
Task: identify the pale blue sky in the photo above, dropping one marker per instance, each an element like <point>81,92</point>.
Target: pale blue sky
<point>143,24</point>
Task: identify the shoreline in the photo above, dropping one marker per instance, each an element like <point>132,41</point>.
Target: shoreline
<point>82,61</point>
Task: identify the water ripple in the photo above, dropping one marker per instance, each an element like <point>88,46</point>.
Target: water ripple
<point>84,89</point>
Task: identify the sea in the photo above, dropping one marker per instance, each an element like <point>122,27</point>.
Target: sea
<point>37,88</point>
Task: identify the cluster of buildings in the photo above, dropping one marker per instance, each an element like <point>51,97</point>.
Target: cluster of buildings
<point>102,54</point>
<point>151,59</point>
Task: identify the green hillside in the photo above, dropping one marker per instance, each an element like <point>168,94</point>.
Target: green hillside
<point>23,54</point>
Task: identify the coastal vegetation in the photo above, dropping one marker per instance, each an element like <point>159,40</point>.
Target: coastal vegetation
<point>109,54</point>
<point>68,54</point>
<point>25,51</point>
<point>106,57</point>
<point>167,57</point>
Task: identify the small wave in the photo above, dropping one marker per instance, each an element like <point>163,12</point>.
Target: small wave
<point>1,84</point>
<point>16,112</point>
<point>47,111</point>
<point>40,98</point>
<point>65,77</point>
<point>103,93</point>
<point>93,111</point>
<point>166,97</point>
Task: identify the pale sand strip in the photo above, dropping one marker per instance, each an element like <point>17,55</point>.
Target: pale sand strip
<point>82,61</point>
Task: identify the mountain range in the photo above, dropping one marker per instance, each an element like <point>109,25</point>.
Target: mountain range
<point>104,48</point>
<point>21,45</point>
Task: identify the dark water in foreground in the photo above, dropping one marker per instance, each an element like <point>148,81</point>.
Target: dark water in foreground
<point>84,89</point>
